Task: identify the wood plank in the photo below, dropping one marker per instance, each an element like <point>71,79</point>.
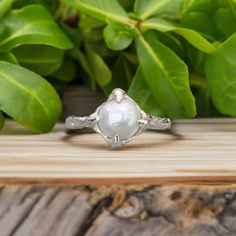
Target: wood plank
<point>203,151</point>
<point>126,210</point>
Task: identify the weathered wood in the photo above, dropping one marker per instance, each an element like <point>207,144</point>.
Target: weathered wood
<point>118,210</point>
<point>203,151</point>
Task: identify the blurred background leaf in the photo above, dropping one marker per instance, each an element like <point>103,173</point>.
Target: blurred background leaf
<point>28,98</point>
<point>41,59</point>
<point>221,75</point>
<point>25,26</point>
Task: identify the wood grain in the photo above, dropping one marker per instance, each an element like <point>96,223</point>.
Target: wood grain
<point>116,210</point>
<point>203,151</point>
<point>48,183</point>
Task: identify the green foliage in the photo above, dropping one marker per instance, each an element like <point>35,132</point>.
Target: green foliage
<point>214,18</point>
<point>45,60</point>
<point>167,77</point>
<point>109,11</point>
<point>163,8</point>
<point>8,56</point>
<point>190,35</point>
<point>144,97</point>
<point>100,71</point>
<point>175,58</point>
<point>222,79</point>
<point>186,32</point>
<point>28,98</point>
<point>5,6</point>
<point>30,38</point>
<point>32,24</point>
<point>117,39</point>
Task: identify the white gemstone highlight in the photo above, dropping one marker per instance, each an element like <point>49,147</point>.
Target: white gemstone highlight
<point>119,118</point>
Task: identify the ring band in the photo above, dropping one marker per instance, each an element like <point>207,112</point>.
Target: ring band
<point>77,122</point>
<point>119,120</point>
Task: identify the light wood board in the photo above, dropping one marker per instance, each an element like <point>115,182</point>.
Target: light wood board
<point>205,150</point>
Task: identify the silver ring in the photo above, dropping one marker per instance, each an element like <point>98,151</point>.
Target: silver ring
<point>119,120</point>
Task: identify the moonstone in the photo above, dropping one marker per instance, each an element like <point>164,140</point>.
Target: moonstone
<point>119,118</point>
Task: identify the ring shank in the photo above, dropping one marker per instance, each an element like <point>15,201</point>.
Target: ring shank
<point>158,123</point>
<point>154,123</point>
<point>76,122</point>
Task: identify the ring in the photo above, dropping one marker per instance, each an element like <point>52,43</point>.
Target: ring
<point>119,120</point>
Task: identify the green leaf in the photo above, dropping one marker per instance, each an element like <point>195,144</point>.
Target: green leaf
<point>28,98</point>
<point>86,71</point>
<point>122,75</point>
<point>141,94</point>
<point>5,6</point>
<point>127,4</point>
<point>221,75</point>
<point>93,34</point>
<point>167,78</point>
<point>1,120</point>
<point>215,18</point>
<point>195,59</point>
<point>74,34</point>
<point>100,71</point>
<point>67,72</point>
<point>32,24</point>
<point>117,39</point>
<point>198,21</point>
<point>190,35</point>
<point>131,57</point>
<point>89,22</point>
<point>104,10</point>
<point>172,42</point>
<point>7,56</point>
<point>225,21</point>
<point>145,9</point>
<point>44,60</point>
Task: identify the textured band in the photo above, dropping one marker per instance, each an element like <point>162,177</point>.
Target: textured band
<point>158,123</point>
<point>76,122</point>
<point>153,123</point>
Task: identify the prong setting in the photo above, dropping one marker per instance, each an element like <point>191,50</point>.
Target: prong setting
<point>116,142</point>
<point>142,123</point>
<point>118,94</point>
<point>119,120</point>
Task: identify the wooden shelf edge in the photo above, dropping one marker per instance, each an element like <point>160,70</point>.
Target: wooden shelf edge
<point>200,180</point>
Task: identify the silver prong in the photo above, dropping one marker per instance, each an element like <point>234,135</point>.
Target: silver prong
<point>118,94</point>
<point>142,123</point>
<point>116,142</point>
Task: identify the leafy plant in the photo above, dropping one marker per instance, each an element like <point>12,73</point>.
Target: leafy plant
<point>175,58</point>
<point>25,95</point>
<point>173,45</point>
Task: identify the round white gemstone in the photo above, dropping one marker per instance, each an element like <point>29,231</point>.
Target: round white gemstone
<point>119,118</point>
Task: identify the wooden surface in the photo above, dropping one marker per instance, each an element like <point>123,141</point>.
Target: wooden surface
<point>49,183</point>
<point>117,211</point>
<point>203,151</point>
